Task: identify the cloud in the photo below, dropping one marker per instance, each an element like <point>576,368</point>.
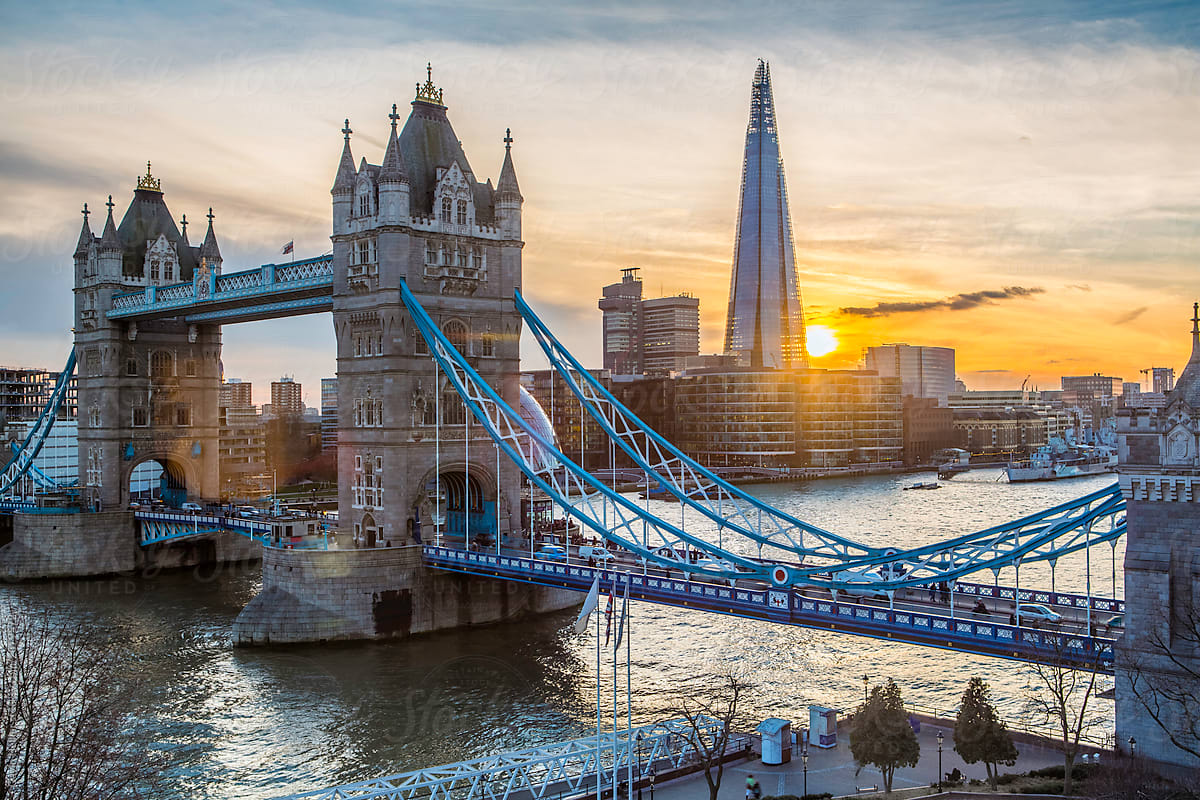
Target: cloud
<point>1130,316</point>
<point>958,302</point>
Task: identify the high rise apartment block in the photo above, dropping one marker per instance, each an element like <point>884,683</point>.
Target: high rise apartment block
<point>622,305</point>
<point>923,371</point>
<point>235,393</point>
<point>329,413</point>
<point>286,398</point>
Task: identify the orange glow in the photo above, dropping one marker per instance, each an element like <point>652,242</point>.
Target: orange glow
<point>820,340</point>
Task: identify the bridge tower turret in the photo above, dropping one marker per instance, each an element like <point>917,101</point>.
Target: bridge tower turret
<point>146,390</point>
<point>1158,655</point>
<point>421,217</point>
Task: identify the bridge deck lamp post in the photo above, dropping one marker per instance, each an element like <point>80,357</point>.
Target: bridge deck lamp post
<point>1132,747</point>
<point>804,759</point>
<point>939,774</point>
<point>652,783</point>
<point>866,680</point>
<point>639,764</point>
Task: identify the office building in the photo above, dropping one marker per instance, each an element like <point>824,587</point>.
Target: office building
<point>998,431</point>
<point>25,391</point>
<point>670,333</point>
<point>286,398</point>
<point>329,413</point>
<point>622,341</point>
<point>1096,384</point>
<point>923,371</point>
<point>847,417</point>
<point>243,452</point>
<point>1162,379</point>
<point>765,322</point>
<point>928,428</point>
<point>647,336</point>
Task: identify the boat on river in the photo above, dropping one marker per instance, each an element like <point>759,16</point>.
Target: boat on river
<point>1051,463</point>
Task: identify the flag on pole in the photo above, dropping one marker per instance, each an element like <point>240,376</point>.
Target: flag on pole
<point>621,622</point>
<point>287,248</point>
<point>612,606</point>
<point>589,605</point>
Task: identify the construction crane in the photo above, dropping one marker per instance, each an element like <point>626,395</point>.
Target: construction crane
<point>1027,377</point>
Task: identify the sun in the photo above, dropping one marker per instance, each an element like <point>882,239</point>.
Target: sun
<point>820,340</point>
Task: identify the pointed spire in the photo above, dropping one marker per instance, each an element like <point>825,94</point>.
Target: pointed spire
<point>85,235</point>
<point>506,185</point>
<point>392,169</point>
<point>344,182</point>
<point>183,231</point>
<point>209,249</point>
<point>109,240</point>
<point>1187,388</point>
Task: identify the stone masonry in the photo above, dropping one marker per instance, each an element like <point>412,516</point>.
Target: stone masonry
<point>384,593</point>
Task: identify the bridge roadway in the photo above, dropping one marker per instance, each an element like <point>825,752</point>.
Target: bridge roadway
<point>910,619</point>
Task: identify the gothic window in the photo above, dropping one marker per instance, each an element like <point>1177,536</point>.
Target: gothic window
<point>379,345</point>
<point>430,416</point>
<point>168,273</point>
<point>161,364</point>
<point>419,345</point>
<point>364,251</point>
<point>357,345</point>
<point>488,345</point>
<point>456,332</point>
<point>446,207</point>
<point>131,367</point>
<point>141,417</point>
<point>95,466</point>
<point>462,212</point>
<point>431,253</point>
<point>190,367</point>
<point>460,258</point>
<point>93,417</point>
<point>477,258</point>
<point>183,415</point>
<point>154,269</point>
<point>92,359</point>
<point>453,410</point>
<point>364,201</point>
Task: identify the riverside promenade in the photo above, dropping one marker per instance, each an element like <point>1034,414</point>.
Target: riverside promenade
<point>833,770</point>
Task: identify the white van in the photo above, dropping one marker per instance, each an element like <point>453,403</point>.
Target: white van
<point>861,585</point>
<point>597,554</point>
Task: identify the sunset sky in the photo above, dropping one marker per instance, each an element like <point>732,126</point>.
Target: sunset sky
<point>1019,181</point>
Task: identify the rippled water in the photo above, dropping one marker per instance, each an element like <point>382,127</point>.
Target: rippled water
<point>241,723</point>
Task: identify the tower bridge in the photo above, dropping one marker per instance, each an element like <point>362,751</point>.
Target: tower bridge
<point>435,447</point>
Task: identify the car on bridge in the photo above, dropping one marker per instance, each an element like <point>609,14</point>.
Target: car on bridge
<point>718,566</point>
<point>597,554</point>
<point>552,552</point>
<point>1116,622</point>
<point>193,508</point>
<point>1038,613</point>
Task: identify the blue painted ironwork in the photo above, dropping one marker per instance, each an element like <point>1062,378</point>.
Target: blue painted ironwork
<point>790,606</point>
<point>269,291</point>
<point>22,459</point>
<point>162,526</point>
<point>1044,536</point>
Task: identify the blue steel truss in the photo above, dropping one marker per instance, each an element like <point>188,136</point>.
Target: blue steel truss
<point>22,459</point>
<point>269,291</point>
<point>1044,536</point>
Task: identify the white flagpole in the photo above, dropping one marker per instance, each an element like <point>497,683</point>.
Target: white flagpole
<point>629,684</point>
<point>616,647</point>
<point>599,772</point>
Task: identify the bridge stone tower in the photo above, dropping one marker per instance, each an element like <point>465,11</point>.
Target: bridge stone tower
<point>422,216</point>
<point>147,390</point>
<point>1158,656</point>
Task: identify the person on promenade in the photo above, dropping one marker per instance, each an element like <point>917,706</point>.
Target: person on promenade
<point>753,789</point>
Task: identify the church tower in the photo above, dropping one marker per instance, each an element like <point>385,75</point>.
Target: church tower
<point>422,216</point>
<point>765,324</point>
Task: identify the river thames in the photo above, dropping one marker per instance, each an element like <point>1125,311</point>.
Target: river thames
<point>249,723</point>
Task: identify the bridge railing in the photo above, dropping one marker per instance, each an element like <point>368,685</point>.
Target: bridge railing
<point>1110,605</point>
<point>791,607</point>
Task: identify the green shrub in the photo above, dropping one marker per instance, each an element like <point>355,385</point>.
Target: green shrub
<point>1007,778</point>
<point>1044,787</point>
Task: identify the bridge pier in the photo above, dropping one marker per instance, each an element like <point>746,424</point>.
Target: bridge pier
<point>90,545</point>
<point>377,593</point>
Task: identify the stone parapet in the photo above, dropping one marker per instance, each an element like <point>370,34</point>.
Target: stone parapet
<point>1160,485</point>
<point>377,593</point>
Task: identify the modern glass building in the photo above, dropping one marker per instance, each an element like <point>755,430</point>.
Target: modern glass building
<point>765,324</point>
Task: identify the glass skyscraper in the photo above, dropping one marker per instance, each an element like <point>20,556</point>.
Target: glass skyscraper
<point>765,326</point>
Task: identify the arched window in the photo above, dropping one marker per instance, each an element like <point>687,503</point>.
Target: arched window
<point>462,212</point>
<point>446,207</point>
<point>162,364</point>
<point>457,333</point>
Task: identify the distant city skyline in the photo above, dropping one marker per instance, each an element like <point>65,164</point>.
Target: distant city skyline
<point>1017,184</point>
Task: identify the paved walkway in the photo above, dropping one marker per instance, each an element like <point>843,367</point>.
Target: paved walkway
<point>833,771</point>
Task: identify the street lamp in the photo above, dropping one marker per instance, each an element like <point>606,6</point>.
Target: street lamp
<point>939,740</point>
<point>639,763</point>
<point>1132,747</point>
<point>866,680</point>
<point>652,783</point>
<point>804,758</point>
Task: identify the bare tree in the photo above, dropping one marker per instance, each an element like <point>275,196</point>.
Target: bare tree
<point>1062,690</point>
<point>62,705</point>
<point>718,698</point>
<point>1164,675</point>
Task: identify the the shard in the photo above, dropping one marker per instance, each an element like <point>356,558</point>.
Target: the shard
<point>765,326</point>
